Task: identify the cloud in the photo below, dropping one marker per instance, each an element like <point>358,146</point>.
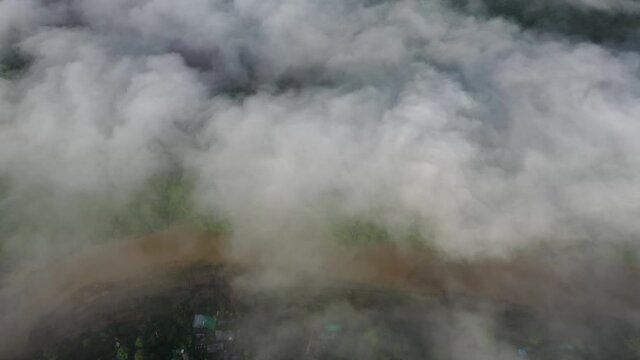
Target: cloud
<point>292,114</point>
<point>476,129</point>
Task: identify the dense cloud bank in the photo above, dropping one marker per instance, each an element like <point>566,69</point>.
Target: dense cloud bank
<point>485,132</point>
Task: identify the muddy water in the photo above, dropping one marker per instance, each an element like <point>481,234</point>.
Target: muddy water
<point>108,275</point>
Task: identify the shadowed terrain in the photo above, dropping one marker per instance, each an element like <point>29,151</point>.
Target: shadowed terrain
<point>94,287</point>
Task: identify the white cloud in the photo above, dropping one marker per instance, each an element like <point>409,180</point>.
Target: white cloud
<point>489,135</point>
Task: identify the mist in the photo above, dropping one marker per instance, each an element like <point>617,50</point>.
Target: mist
<point>288,115</point>
<point>477,129</point>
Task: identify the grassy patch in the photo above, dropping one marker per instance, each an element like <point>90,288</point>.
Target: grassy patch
<point>165,200</point>
<point>366,232</point>
<point>35,222</point>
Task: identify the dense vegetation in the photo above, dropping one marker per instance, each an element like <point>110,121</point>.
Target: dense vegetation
<point>12,63</point>
<point>562,17</point>
<point>341,323</point>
